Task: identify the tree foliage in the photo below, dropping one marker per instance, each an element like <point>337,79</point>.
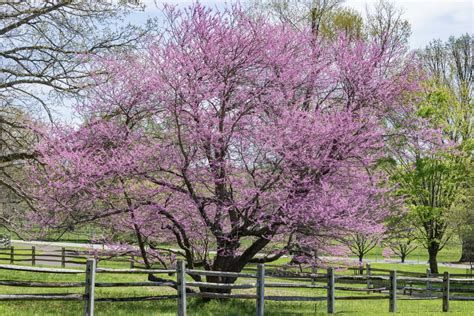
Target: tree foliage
<point>435,179</point>
<point>209,139</point>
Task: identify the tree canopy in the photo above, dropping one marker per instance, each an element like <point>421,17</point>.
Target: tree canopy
<point>228,128</point>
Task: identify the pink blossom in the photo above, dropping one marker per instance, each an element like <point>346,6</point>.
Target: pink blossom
<point>228,129</point>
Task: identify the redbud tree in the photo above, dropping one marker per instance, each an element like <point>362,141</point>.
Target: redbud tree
<point>224,136</point>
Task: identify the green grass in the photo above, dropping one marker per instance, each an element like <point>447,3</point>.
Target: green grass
<point>450,253</point>
<point>414,268</point>
<point>230,307</point>
<point>199,307</point>
<point>226,307</point>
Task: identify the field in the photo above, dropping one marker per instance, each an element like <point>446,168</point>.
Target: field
<point>199,307</point>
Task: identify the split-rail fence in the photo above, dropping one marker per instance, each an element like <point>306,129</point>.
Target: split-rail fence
<point>391,287</point>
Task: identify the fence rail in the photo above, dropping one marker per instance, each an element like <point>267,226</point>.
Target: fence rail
<point>395,288</point>
<point>79,257</point>
<point>61,256</point>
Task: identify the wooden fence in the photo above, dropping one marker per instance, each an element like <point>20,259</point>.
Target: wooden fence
<point>61,256</point>
<point>368,269</point>
<point>66,256</point>
<point>391,289</point>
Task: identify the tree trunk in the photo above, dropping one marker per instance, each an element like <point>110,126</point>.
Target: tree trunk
<point>226,263</point>
<point>433,253</point>
<point>403,257</point>
<point>230,261</point>
<point>216,279</point>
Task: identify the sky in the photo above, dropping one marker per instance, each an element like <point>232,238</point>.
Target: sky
<point>429,19</point>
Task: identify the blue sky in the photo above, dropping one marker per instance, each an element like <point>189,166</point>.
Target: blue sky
<point>430,19</point>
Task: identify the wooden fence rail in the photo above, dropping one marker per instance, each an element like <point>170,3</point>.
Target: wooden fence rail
<point>361,270</point>
<point>64,256</point>
<point>258,282</point>
<point>61,256</point>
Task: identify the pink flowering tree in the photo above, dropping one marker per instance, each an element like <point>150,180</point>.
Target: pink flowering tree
<point>227,134</point>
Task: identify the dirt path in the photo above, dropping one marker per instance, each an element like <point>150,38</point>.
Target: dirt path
<point>51,247</point>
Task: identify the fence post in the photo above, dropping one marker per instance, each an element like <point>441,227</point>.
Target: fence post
<point>181,280</point>
<point>90,285</point>
<point>33,255</point>
<point>428,283</point>
<point>313,271</point>
<point>260,289</point>
<point>446,292</point>
<point>132,262</point>
<point>369,273</point>
<point>393,292</point>
<point>12,254</point>
<point>63,257</point>
<point>330,294</point>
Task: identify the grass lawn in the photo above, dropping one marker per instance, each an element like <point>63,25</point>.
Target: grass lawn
<point>225,307</point>
<point>450,253</point>
<point>199,307</point>
<point>230,307</point>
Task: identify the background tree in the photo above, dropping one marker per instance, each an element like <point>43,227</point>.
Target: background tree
<point>343,20</point>
<point>44,52</point>
<point>385,25</point>
<point>449,65</point>
<point>15,135</point>
<point>434,178</point>
<point>384,22</point>
<point>215,146</point>
<point>361,244</point>
<point>463,220</point>
<point>300,13</point>
<point>400,236</point>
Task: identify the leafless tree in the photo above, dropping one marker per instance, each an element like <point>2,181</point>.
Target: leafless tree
<point>386,25</point>
<point>361,244</point>
<point>299,13</point>
<point>451,63</point>
<point>45,49</point>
